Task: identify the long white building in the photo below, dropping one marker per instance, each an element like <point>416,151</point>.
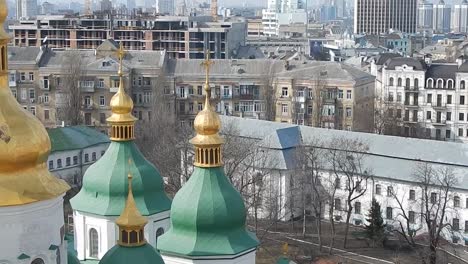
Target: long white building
<point>391,164</point>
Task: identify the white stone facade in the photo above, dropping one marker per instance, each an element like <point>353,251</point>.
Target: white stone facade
<point>95,235</point>
<point>33,231</point>
<point>71,165</point>
<point>438,107</point>
<point>242,258</point>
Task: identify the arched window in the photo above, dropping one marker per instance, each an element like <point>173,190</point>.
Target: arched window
<point>408,83</point>
<point>93,243</point>
<point>430,83</point>
<point>462,85</point>
<point>416,83</point>
<point>391,81</point>
<point>159,233</point>
<point>400,82</point>
<point>440,83</point>
<point>450,84</point>
<point>38,261</point>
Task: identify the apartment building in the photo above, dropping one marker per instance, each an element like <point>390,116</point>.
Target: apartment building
<point>324,94</point>
<point>37,81</point>
<point>180,36</point>
<point>430,99</point>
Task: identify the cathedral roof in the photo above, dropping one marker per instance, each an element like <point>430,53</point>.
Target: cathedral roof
<point>145,254</point>
<point>105,186</point>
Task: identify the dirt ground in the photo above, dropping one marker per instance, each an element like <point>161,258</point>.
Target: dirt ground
<point>273,240</point>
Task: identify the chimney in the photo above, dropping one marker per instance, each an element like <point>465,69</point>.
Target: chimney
<point>460,60</point>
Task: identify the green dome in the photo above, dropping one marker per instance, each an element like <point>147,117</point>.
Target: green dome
<point>72,259</point>
<point>145,254</point>
<point>105,183</point>
<point>207,218</point>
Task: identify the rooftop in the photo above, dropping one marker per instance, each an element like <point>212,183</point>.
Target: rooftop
<point>388,156</point>
<point>75,137</point>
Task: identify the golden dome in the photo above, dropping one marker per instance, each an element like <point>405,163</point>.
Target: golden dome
<point>121,103</point>
<point>122,121</point>
<point>207,124</point>
<point>24,145</point>
<point>131,220</point>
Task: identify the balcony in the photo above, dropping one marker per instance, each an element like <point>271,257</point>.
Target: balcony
<point>87,89</point>
<point>440,106</point>
<point>113,89</point>
<point>407,104</point>
<point>438,122</point>
<point>411,89</point>
<point>329,101</point>
<point>88,107</point>
<point>300,99</point>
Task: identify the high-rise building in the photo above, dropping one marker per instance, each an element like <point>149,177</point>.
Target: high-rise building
<point>282,12</point>
<point>441,18</point>
<point>165,7</point>
<point>379,16</point>
<point>105,5</point>
<point>26,9</point>
<point>425,15</point>
<point>340,8</point>
<point>460,18</point>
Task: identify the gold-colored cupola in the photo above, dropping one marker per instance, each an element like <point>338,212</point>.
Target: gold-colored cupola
<point>207,142</point>
<point>122,121</point>
<point>131,223</point>
<point>24,144</point>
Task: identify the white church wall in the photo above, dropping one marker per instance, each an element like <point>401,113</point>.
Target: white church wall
<point>31,230</point>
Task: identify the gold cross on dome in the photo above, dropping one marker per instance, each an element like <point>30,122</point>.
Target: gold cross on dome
<point>207,65</point>
<point>121,54</point>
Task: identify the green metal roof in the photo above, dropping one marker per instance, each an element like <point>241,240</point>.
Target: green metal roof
<point>207,218</point>
<point>75,137</point>
<point>145,254</point>
<point>23,256</point>
<point>285,260</point>
<point>105,183</point>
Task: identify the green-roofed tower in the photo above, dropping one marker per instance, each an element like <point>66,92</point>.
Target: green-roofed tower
<point>208,215</point>
<point>131,246</point>
<point>105,186</point>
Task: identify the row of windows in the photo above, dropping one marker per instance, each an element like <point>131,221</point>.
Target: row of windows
<point>68,160</point>
<point>430,83</point>
<point>88,102</point>
<point>93,244</point>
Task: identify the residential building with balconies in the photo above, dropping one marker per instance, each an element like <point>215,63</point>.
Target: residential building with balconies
<point>180,36</point>
<point>428,99</point>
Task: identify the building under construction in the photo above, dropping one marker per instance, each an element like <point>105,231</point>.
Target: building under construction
<point>183,37</point>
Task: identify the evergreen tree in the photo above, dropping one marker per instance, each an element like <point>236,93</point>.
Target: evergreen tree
<point>375,230</point>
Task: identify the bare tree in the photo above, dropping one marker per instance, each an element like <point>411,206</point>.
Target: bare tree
<point>431,205</point>
<point>69,110</point>
<point>348,161</point>
<point>268,93</point>
<point>319,98</point>
<point>313,194</point>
